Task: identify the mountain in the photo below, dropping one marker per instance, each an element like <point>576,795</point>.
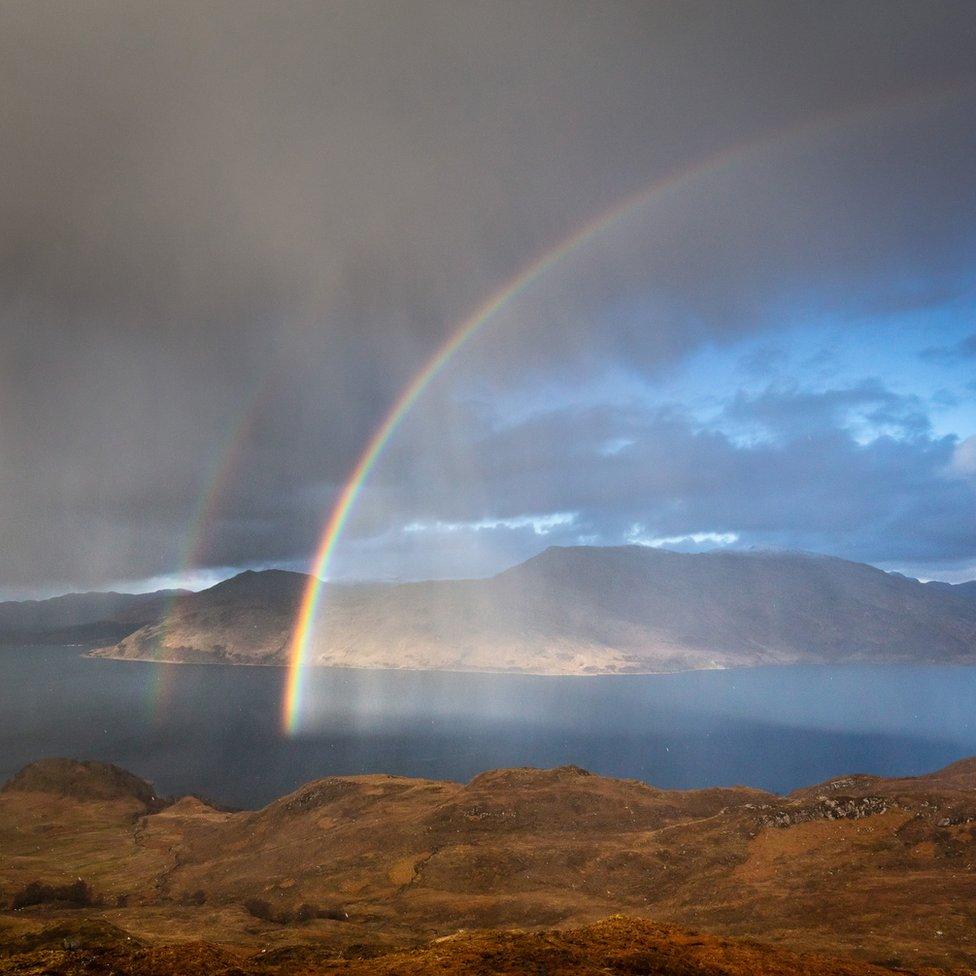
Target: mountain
<point>873,869</point>
<point>585,610</point>
<point>967,589</point>
<point>243,620</point>
<point>79,618</point>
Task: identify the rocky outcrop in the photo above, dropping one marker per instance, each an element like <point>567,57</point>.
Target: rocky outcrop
<point>828,808</point>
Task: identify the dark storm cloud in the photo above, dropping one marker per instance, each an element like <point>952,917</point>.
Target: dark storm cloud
<point>908,498</point>
<point>211,210</point>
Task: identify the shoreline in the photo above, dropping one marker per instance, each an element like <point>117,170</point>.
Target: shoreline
<point>536,674</point>
<point>415,670</point>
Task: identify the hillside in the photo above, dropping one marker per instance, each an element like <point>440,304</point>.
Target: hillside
<point>242,620</point>
<point>878,870</point>
<point>617,946</point>
<point>585,611</point>
<point>81,617</point>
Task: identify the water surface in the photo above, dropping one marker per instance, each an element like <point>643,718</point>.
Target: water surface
<point>215,730</point>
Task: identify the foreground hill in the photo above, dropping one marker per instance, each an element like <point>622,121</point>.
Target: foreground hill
<point>585,611</point>
<point>617,946</point>
<point>868,868</point>
<point>81,617</point>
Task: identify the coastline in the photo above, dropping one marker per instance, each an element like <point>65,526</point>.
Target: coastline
<point>91,655</point>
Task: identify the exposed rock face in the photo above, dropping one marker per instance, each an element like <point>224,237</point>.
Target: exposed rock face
<point>828,808</point>
<point>859,865</point>
<point>585,611</point>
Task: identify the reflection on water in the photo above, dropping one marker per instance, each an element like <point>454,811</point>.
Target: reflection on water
<point>214,730</point>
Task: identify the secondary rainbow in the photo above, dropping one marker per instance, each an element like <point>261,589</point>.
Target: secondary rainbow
<point>709,166</point>
<point>225,463</point>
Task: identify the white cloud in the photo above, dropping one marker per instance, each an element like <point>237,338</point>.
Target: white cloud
<point>636,536</point>
<point>615,445</point>
<point>539,524</point>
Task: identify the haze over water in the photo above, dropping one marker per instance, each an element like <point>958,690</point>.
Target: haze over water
<point>216,730</point>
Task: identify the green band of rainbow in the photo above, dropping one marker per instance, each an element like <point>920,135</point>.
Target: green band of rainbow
<point>679,179</point>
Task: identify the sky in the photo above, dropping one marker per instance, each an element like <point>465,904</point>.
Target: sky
<point>232,233</point>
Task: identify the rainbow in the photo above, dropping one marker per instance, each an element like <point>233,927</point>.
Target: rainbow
<point>512,289</point>
<point>225,463</point>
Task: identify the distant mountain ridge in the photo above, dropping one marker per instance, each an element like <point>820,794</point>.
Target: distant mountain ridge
<point>584,610</point>
<point>81,617</point>
<point>966,589</point>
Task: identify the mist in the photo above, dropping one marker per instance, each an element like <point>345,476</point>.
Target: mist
<point>233,233</point>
